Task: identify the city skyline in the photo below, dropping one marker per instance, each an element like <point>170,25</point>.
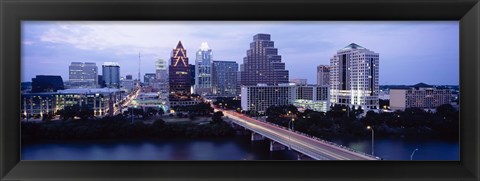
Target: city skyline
<point>431,46</point>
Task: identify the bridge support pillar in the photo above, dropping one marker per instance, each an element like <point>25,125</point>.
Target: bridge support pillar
<point>274,146</point>
<point>256,137</point>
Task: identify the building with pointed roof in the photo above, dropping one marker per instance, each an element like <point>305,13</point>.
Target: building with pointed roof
<point>203,70</point>
<point>178,72</point>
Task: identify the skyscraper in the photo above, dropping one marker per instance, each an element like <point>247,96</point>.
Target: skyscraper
<point>203,70</point>
<point>224,78</point>
<point>178,71</point>
<point>323,75</point>
<point>83,74</point>
<point>354,77</point>
<point>239,79</point>
<point>263,64</point>
<point>161,70</point>
<point>111,74</point>
<point>192,75</point>
<point>162,77</point>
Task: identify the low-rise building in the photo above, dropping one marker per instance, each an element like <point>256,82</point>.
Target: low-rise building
<point>102,101</point>
<point>420,96</point>
<point>313,97</point>
<point>260,97</point>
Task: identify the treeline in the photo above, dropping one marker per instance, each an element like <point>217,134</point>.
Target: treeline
<point>118,127</point>
<point>228,103</point>
<point>200,109</point>
<point>341,120</point>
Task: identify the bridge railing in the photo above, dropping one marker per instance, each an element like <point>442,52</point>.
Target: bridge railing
<point>320,140</point>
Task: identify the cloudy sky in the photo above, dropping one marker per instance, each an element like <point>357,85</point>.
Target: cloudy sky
<point>410,52</point>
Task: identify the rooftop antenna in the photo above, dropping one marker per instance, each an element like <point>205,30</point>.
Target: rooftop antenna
<point>139,59</point>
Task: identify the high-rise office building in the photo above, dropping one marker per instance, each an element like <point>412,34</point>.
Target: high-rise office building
<point>111,74</point>
<point>192,75</point>
<point>179,71</point>
<point>323,75</point>
<point>101,82</point>
<point>129,77</point>
<point>239,79</point>
<point>263,65</point>
<point>161,70</point>
<point>83,74</point>
<point>224,78</point>
<point>354,77</point>
<point>203,70</point>
<point>149,78</point>
<point>162,77</point>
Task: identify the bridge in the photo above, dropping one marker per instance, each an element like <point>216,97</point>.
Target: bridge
<point>281,137</point>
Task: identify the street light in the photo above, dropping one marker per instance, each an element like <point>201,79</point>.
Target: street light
<point>293,125</point>
<point>411,156</point>
<point>289,136</point>
<point>373,136</point>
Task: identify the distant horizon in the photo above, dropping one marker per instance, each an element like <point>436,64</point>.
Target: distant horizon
<point>315,83</point>
<point>410,52</point>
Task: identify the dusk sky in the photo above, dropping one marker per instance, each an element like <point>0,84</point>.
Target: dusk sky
<point>410,52</point>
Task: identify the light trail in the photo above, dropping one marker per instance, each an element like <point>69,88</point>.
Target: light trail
<point>315,148</point>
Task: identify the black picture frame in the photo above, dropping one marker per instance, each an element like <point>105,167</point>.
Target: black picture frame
<point>12,12</point>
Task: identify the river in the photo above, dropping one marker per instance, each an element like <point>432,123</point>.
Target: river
<point>233,148</point>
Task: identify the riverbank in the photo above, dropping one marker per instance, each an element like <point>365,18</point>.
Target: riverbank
<point>118,127</point>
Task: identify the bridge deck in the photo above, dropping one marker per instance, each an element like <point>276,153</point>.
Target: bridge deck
<point>312,147</point>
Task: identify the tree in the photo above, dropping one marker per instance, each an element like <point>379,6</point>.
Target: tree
<point>85,112</point>
<point>152,111</point>
<point>180,115</point>
<point>359,111</point>
<point>160,112</point>
<point>217,117</point>
<point>68,112</point>
<point>47,117</point>
<point>445,110</point>
<point>191,116</point>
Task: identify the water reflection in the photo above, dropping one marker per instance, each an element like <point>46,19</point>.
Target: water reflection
<point>237,148</point>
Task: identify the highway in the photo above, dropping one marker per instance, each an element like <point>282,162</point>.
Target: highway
<point>315,148</point>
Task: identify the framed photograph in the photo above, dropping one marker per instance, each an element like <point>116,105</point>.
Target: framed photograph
<point>227,90</point>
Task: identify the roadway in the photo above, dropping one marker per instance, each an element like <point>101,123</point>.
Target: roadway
<point>313,147</point>
<point>127,101</point>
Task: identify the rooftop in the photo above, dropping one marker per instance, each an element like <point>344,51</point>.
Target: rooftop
<point>88,90</point>
<point>353,46</point>
<point>421,85</point>
<point>204,46</point>
<point>111,64</point>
